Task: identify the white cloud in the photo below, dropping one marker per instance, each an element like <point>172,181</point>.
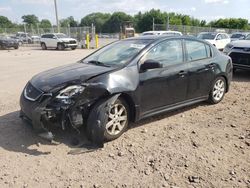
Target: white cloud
<point>41,2</point>
<point>5,9</point>
<point>217,1</point>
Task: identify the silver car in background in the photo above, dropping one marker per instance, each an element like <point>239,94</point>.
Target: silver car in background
<point>239,51</point>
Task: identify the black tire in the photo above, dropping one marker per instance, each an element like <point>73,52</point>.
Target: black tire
<point>217,93</point>
<point>43,45</point>
<point>60,46</point>
<point>16,47</point>
<point>234,70</point>
<point>73,48</point>
<point>107,135</point>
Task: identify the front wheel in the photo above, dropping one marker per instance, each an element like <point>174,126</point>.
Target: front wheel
<point>118,119</point>
<point>60,46</point>
<point>73,48</point>
<point>218,90</point>
<point>44,47</point>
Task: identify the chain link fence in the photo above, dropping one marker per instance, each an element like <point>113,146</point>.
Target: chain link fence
<point>193,30</point>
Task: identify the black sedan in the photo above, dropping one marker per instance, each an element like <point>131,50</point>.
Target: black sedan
<point>7,42</point>
<point>126,81</point>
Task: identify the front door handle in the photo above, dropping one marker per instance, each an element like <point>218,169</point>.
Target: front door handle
<point>211,65</point>
<point>182,73</point>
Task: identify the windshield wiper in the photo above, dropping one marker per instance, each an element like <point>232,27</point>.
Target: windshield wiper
<point>98,63</point>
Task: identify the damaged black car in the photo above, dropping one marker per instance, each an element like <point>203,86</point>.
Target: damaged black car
<point>124,82</point>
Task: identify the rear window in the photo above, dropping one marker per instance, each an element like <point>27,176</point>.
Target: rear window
<point>197,50</point>
<point>236,36</point>
<point>207,36</point>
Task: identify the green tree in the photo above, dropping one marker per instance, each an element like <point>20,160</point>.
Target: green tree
<point>232,23</point>
<point>144,21</point>
<point>30,19</point>
<point>186,20</point>
<point>68,22</point>
<point>98,19</point>
<point>116,20</point>
<point>5,22</point>
<point>45,23</point>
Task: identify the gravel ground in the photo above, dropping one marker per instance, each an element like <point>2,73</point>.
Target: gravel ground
<point>198,146</point>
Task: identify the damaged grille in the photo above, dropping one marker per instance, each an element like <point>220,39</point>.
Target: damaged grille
<point>240,58</point>
<point>31,93</point>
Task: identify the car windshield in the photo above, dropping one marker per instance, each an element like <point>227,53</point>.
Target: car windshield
<point>117,53</point>
<point>208,36</point>
<point>61,36</point>
<point>248,37</point>
<point>236,36</point>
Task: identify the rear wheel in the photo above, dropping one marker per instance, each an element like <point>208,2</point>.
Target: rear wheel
<point>118,118</point>
<point>60,46</point>
<point>73,48</point>
<point>16,47</point>
<point>44,47</point>
<point>218,90</point>
<point>234,70</point>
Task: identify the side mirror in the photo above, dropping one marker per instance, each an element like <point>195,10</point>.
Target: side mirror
<point>150,64</point>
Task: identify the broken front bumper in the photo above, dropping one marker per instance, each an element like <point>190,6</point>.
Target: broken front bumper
<point>34,112</point>
<point>42,114</point>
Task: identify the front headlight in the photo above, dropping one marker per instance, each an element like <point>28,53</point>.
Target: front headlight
<point>70,92</point>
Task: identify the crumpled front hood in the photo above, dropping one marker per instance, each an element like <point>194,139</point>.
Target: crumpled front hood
<point>241,43</point>
<point>63,75</point>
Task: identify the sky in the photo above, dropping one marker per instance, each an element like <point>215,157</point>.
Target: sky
<point>201,9</point>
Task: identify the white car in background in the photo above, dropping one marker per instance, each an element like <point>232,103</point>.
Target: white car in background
<point>59,41</point>
<point>170,33</point>
<point>219,40</point>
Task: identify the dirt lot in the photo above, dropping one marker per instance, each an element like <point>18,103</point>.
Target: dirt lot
<point>199,146</point>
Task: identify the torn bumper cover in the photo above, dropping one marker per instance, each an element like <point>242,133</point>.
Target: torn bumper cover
<point>46,113</point>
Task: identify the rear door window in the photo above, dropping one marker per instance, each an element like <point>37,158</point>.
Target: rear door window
<point>197,50</point>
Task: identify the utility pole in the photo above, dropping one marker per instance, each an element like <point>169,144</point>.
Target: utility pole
<point>167,23</point>
<point>153,24</point>
<point>57,21</point>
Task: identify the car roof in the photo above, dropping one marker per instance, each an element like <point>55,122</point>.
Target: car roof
<point>213,33</point>
<point>161,32</point>
<point>162,37</point>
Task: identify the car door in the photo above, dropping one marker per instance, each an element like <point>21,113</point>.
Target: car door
<point>201,68</point>
<point>46,39</point>
<point>167,85</point>
<point>54,41</point>
<point>50,40</point>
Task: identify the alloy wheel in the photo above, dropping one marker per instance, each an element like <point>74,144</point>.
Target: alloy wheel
<point>117,119</point>
<point>218,90</point>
